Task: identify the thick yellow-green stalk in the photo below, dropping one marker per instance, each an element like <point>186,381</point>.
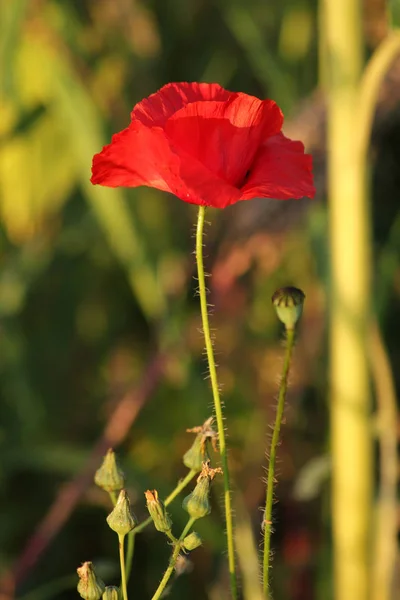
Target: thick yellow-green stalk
<point>350,270</point>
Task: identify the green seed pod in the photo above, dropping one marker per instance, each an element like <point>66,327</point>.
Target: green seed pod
<point>121,519</point>
<point>111,593</point>
<point>109,476</point>
<point>288,302</point>
<point>197,503</point>
<point>196,455</point>
<point>90,586</point>
<point>192,541</point>
<point>156,508</point>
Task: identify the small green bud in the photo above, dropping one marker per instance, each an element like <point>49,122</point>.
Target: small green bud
<point>157,511</point>
<point>192,541</point>
<point>111,593</point>
<point>90,586</point>
<point>197,504</point>
<point>197,453</point>
<point>109,476</point>
<point>288,302</point>
<point>121,519</point>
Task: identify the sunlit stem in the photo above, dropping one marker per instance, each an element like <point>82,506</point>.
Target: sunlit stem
<point>177,548</point>
<point>121,539</point>
<point>272,460</point>
<point>217,399</point>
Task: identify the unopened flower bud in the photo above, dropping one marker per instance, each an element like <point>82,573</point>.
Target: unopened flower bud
<point>288,302</point>
<point>90,586</point>
<point>192,541</point>
<point>121,520</point>
<point>111,593</point>
<point>196,455</point>
<point>197,504</point>
<point>109,476</point>
<point>157,511</point>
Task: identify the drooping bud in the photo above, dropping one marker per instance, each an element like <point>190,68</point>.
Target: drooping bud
<point>121,519</point>
<point>90,586</point>
<point>158,513</point>
<point>109,476</point>
<point>192,541</point>
<point>111,593</point>
<point>197,504</point>
<point>197,453</point>
<point>288,302</point>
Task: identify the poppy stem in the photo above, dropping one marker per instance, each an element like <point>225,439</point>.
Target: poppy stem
<point>217,399</point>
<point>267,521</point>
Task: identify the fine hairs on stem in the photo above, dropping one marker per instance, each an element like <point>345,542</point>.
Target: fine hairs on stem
<point>216,398</point>
<point>288,304</point>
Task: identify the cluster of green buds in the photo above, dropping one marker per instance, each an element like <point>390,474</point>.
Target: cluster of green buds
<point>110,478</point>
<point>198,453</point>
<point>288,303</point>
<point>197,504</point>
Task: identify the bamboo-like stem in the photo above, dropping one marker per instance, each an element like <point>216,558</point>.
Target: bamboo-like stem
<point>351,439</point>
<point>370,86</point>
<point>272,460</point>
<point>385,543</point>
<point>172,562</point>
<point>132,535</point>
<point>121,539</point>
<point>217,400</point>
<point>385,547</point>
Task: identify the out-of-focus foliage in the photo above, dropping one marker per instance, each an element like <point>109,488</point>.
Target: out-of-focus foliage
<point>94,282</point>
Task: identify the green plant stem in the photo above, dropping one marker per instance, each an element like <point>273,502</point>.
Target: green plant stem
<point>121,539</point>
<point>131,536</point>
<point>217,400</point>
<point>113,498</point>
<point>272,459</point>
<point>172,562</point>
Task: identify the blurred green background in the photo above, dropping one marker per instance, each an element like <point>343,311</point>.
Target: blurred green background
<point>97,289</point>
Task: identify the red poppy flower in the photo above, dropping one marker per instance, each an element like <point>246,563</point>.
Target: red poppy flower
<point>207,146</point>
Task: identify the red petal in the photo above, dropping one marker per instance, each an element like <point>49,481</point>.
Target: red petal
<point>225,136</point>
<point>158,107</point>
<point>281,170</point>
<point>136,156</point>
<point>140,155</point>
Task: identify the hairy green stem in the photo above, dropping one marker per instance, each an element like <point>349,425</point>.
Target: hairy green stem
<point>172,562</point>
<point>121,539</point>
<point>272,460</point>
<point>132,535</point>
<point>217,400</point>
